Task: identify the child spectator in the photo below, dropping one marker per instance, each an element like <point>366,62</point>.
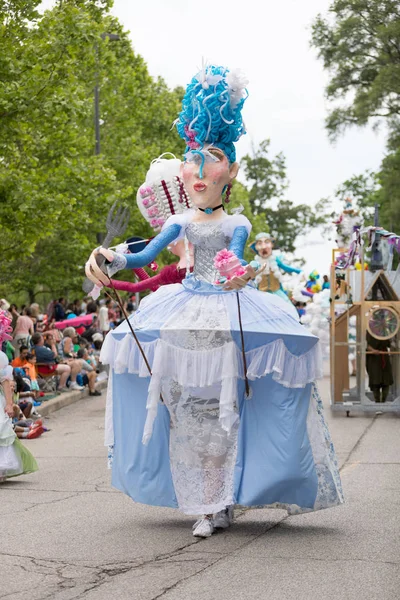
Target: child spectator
<point>22,395</point>
<point>88,373</point>
<point>30,369</point>
<point>96,350</point>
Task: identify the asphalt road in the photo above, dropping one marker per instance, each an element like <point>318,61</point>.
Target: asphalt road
<point>66,534</point>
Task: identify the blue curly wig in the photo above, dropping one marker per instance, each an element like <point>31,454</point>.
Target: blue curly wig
<point>211,111</point>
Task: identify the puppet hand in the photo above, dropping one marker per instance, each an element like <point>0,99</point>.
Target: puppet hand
<point>93,267</point>
<point>239,282</point>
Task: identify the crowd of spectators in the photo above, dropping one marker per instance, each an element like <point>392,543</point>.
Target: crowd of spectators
<point>55,350</point>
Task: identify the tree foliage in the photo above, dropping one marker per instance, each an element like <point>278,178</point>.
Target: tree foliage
<point>54,192</point>
<point>268,181</point>
<point>359,44</point>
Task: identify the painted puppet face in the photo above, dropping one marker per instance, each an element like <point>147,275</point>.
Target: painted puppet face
<point>264,247</point>
<point>206,191</point>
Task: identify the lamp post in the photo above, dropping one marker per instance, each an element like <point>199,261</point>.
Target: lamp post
<point>112,37</point>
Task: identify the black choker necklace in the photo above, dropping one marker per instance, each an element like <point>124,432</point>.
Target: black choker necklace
<point>209,211</point>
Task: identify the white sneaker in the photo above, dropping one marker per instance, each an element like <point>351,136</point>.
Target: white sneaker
<point>203,528</point>
<point>75,386</point>
<point>223,518</point>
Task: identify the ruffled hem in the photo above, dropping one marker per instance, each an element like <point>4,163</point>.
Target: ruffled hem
<point>289,370</point>
<point>199,368</point>
<point>202,368</point>
<point>124,355</point>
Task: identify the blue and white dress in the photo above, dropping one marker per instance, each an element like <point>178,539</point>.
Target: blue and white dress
<point>207,445</point>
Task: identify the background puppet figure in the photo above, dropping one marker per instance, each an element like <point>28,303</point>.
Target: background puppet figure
<point>271,278</point>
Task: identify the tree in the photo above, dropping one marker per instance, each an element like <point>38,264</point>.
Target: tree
<point>268,180</point>
<point>54,192</point>
<point>360,48</point>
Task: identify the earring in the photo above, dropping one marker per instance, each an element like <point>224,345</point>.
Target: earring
<point>228,193</point>
<point>183,197</point>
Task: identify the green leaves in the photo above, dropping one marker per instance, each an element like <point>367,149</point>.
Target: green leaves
<point>54,193</point>
<point>360,48</point>
<point>281,217</point>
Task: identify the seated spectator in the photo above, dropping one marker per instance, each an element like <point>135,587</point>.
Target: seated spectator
<point>28,431</point>
<point>24,427</point>
<point>70,312</point>
<point>30,369</point>
<point>59,310</point>
<point>67,355</point>
<point>92,358</point>
<point>96,349</point>
<point>47,357</point>
<point>91,331</point>
<point>20,361</point>
<point>23,398</point>
<point>88,372</point>
<point>68,342</point>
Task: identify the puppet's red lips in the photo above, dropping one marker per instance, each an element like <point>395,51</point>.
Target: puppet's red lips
<point>199,187</point>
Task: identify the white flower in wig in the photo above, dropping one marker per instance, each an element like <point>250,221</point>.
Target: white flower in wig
<point>237,83</point>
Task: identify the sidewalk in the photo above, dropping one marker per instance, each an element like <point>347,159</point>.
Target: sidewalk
<point>67,398</point>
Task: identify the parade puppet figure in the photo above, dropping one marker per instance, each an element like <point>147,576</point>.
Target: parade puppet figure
<point>162,195</point>
<point>270,280</point>
<point>15,459</point>
<point>345,223</point>
<point>230,414</point>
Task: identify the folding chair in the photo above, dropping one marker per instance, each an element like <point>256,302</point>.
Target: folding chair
<point>46,377</point>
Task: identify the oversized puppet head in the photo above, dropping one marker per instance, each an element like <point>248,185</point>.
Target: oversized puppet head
<point>210,122</point>
<point>263,245</point>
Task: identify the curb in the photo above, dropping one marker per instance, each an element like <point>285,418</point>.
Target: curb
<point>66,399</point>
